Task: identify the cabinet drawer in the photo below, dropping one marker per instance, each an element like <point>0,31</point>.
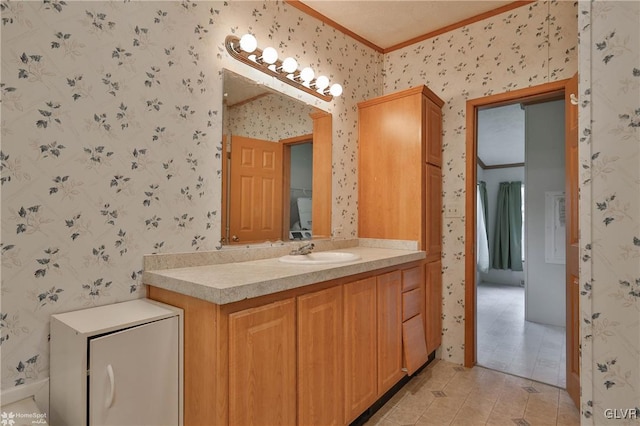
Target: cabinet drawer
<point>411,278</point>
<point>411,303</point>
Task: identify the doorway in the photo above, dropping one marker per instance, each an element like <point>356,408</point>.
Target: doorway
<point>520,308</point>
<point>297,219</point>
<point>565,89</point>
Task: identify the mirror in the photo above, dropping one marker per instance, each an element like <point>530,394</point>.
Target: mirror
<point>276,171</point>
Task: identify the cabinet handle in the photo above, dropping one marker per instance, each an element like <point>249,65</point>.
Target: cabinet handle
<point>112,386</point>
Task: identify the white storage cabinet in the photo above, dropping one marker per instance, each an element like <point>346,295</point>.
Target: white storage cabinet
<point>117,364</point>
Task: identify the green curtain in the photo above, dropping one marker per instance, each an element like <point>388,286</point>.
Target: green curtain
<point>507,250</point>
<point>482,185</point>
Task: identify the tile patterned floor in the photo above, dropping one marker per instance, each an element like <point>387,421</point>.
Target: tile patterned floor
<point>448,394</point>
<point>508,343</point>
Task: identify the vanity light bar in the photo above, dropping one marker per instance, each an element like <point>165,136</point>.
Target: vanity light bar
<point>246,50</point>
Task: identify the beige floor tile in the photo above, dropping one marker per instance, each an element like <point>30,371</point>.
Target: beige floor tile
<point>507,412</point>
<point>564,400</point>
<point>408,410</point>
<point>508,392</point>
<point>540,411</point>
<point>395,399</point>
<point>510,405</point>
<point>425,393</point>
<point>569,419</point>
<point>469,415</point>
<point>402,416</point>
<point>385,409</point>
<point>444,394</point>
<point>480,405</point>
<point>436,384</point>
<point>540,404</point>
<point>437,415</point>
<point>449,403</point>
<point>535,419</point>
<point>376,419</point>
<point>498,421</point>
<point>457,391</point>
<point>485,394</point>
<point>381,422</point>
<point>568,414</point>
<point>416,402</point>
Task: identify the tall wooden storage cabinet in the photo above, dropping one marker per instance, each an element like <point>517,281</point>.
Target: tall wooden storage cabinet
<point>400,182</point>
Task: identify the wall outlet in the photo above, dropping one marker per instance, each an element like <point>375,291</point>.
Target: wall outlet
<point>454,209</point>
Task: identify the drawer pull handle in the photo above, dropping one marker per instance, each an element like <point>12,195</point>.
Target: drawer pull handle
<point>112,386</point>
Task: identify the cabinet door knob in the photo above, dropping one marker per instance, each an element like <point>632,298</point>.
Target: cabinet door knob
<point>112,386</point>
<point>235,238</point>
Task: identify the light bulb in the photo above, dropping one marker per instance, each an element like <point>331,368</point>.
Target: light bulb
<point>248,43</point>
<point>335,90</point>
<point>270,55</point>
<point>289,65</point>
<point>322,83</point>
<point>307,74</point>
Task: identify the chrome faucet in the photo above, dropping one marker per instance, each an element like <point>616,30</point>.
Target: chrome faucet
<point>303,249</point>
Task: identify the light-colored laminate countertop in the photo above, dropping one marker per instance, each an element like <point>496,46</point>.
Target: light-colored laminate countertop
<point>229,282</point>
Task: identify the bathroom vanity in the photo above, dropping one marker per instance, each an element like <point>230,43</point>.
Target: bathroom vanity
<point>269,342</point>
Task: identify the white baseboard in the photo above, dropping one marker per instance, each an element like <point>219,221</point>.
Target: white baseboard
<point>39,390</point>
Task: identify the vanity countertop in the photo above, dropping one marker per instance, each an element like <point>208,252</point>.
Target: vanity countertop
<point>223,283</point>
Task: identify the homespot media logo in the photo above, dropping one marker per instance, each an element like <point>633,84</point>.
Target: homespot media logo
<point>9,419</point>
<point>622,413</point>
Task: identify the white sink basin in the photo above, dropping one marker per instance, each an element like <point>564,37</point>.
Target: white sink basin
<point>320,258</point>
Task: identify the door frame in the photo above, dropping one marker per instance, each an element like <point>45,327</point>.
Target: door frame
<point>286,178</point>
<point>540,93</point>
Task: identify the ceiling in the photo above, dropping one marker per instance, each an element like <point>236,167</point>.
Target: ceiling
<point>387,23</point>
<point>238,89</point>
<point>501,135</point>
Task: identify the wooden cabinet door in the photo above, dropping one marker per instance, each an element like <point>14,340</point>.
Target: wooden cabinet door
<point>320,358</point>
<point>262,365</point>
<point>415,346</point>
<point>434,305</point>
<point>360,346</point>
<point>434,133</point>
<point>389,288</point>
<point>390,170</point>
<point>433,216</point>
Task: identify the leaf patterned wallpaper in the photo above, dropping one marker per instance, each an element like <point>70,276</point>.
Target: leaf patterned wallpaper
<point>609,149</point>
<point>270,118</point>
<point>111,144</point>
<point>111,124</point>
